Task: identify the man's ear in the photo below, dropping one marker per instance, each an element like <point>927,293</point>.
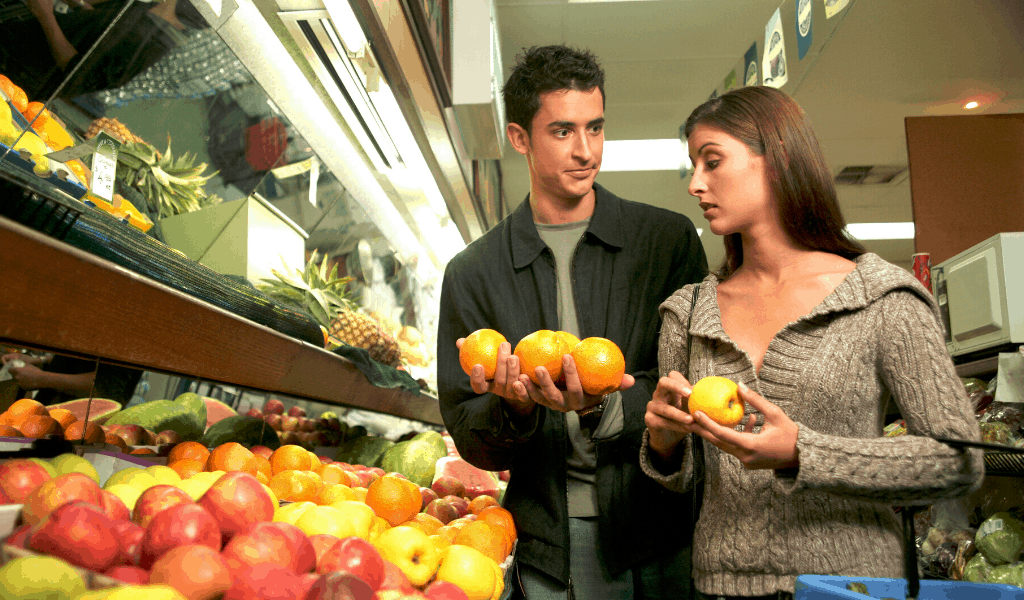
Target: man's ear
<point>518,137</point>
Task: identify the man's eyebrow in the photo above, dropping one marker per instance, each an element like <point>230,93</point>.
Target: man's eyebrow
<point>570,124</point>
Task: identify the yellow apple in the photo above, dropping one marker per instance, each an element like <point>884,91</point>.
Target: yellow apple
<point>412,551</point>
<point>129,494</point>
<point>359,516</point>
<point>469,569</point>
<point>718,398</point>
<point>164,474</point>
<point>73,463</point>
<point>290,513</point>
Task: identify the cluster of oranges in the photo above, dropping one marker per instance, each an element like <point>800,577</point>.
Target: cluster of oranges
<point>49,130</point>
<point>599,361</point>
<point>31,419</point>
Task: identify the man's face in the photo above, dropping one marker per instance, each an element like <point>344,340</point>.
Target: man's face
<point>565,143</point>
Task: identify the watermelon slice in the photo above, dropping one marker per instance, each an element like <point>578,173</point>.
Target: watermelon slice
<point>448,441</point>
<point>217,411</point>
<point>477,481</point>
<point>101,410</point>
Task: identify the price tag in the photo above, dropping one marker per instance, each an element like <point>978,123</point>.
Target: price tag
<point>104,166</point>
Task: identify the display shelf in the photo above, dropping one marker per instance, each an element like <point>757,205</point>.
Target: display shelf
<point>977,368</point>
<point>58,297</point>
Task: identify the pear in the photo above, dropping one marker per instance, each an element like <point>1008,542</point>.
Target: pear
<point>40,578</point>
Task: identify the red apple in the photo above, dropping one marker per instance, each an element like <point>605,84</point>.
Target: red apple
<point>262,451</point>
<point>156,500</point>
<point>505,475</point>
<point>460,504</point>
<point>4,498</point>
<point>273,407</point>
<point>128,574</point>
<point>357,556</point>
<point>325,460</point>
<point>197,571</point>
<point>167,436</point>
<point>308,581</point>
<point>366,478</point>
<point>307,424</point>
<point>237,501</point>
<point>290,437</point>
<point>339,584</point>
<point>114,507</point>
<point>395,579</point>
<point>322,542</point>
<point>442,510</point>
<point>19,477</point>
<point>329,423</point>
<point>273,420</point>
<point>255,412</point>
<point>266,582</point>
<point>130,536</point>
<point>180,525</point>
<point>271,543</point>
<point>290,424</point>
<point>444,590</point>
<point>346,466</point>
<point>79,533</point>
<point>446,485</point>
<point>397,474</point>
<point>296,411</point>
<point>428,496</point>
<point>58,491</point>
<point>133,435</point>
<point>379,472</point>
<point>19,536</point>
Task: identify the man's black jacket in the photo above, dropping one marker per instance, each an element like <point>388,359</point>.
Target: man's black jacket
<point>631,258</point>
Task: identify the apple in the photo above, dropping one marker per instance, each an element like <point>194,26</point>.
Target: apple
<point>296,411</point>
<point>273,420</point>
<point>133,435</point>
<point>341,585</point>
<point>79,533</point>
<point>395,579</point>
<point>262,451</point>
<point>356,556</point>
<point>442,510</point>
<point>157,499</point>
<point>58,491</point>
<point>718,398</point>
<point>130,537</point>
<point>255,412</point>
<point>167,436</point>
<point>396,474</point>
<point>322,542</point>
<point>266,582</point>
<point>325,460</point>
<point>271,543</point>
<point>180,525</point>
<point>114,507</point>
<point>289,423</point>
<point>308,580</point>
<point>197,571</point>
<point>290,438</point>
<point>237,501</point>
<point>428,496</point>
<point>19,477</point>
<point>505,475</point>
<point>329,423</point>
<point>446,485</point>
<point>18,537</point>
<point>460,504</point>
<point>346,466</point>
<point>411,550</point>
<point>366,478</point>
<point>128,574</point>
<point>307,424</point>
<point>379,472</point>
<point>273,407</point>
<point>444,590</point>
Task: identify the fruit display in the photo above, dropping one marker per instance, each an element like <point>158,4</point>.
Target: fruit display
<point>211,524</point>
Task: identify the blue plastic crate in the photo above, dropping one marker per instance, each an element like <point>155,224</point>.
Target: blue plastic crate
<point>825,587</point>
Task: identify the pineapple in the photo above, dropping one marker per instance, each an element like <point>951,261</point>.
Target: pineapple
<point>322,294</point>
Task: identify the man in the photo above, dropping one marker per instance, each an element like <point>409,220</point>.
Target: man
<point>572,257</point>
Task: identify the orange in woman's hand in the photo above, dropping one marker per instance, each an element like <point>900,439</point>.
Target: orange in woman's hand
<point>543,348</point>
<point>481,348</point>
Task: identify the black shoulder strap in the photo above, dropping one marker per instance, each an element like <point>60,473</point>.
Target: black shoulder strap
<point>698,448</point>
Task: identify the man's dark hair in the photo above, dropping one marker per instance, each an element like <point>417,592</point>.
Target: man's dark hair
<point>546,69</point>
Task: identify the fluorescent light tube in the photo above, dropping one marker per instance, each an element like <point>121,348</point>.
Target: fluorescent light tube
<point>881,231</point>
<point>645,155</point>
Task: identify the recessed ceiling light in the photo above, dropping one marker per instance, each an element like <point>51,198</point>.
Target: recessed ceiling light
<point>971,104</point>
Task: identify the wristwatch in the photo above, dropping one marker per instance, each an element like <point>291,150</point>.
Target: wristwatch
<point>593,411</point>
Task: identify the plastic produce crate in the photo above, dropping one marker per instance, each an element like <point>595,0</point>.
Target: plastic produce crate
<point>824,587</point>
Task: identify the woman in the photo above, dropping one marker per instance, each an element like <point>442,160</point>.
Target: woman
<point>819,333</point>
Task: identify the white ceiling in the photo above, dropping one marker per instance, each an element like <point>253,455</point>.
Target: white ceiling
<point>888,59</point>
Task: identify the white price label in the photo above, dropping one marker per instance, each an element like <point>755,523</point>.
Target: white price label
<point>104,168</point>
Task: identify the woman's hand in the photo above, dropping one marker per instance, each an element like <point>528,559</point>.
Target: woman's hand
<point>666,418</point>
<point>774,447</point>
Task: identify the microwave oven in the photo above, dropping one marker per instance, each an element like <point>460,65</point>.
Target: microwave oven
<point>980,293</point>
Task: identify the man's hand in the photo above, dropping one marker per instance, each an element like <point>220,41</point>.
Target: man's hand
<point>550,395</point>
<point>29,377</point>
<point>505,376</point>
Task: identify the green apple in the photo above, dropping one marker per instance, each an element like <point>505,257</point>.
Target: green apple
<point>46,465</point>
<point>133,476</point>
<point>129,494</point>
<point>40,578</point>
<point>164,474</point>
<point>73,463</point>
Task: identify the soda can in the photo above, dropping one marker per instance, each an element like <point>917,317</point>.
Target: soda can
<point>923,269</point>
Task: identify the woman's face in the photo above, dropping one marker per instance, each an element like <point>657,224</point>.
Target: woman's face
<point>730,181</point>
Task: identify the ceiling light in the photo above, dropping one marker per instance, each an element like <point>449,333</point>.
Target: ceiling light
<point>645,155</point>
<point>970,105</point>
<point>881,231</point>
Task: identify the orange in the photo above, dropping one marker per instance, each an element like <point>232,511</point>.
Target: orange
<point>600,365</point>
<point>260,477</point>
<point>293,486</point>
<point>448,533</point>
<point>334,474</point>
<point>424,522</point>
<point>63,416</point>
<point>334,493</point>
<point>143,451</point>
<point>93,433</point>
<point>568,338</point>
<point>37,426</point>
<point>190,451</point>
<point>187,467</point>
<point>15,93</point>
<point>314,463</point>
<point>481,348</point>
<point>33,109</point>
<point>6,418</point>
<point>543,348</point>
<point>394,499</point>
<point>115,440</point>
<point>290,457</point>
<point>481,502</point>
<point>26,407</point>
<point>263,466</point>
<point>8,431</point>
<point>490,540</point>
<point>496,515</point>
<point>318,482</point>
<point>232,456</point>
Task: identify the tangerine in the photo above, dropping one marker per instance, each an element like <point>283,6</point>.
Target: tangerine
<point>394,499</point>
<point>263,466</point>
<point>543,348</point>
<point>481,502</point>
<point>481,348</point>
<point>143,451</point>
<point>232,456</point>
<point>490,540</point>
<point>32,110</point>
<point>8,431</point>
<point>293,486</point>
<point>333,474</point>
<point>6,418</point>
<point>115,440</point>
<point>260,477</point>
<point>187,467</point>
<point>600,365</point>
<point>290,458</point>
<point>189,451</point>
<point>314,463</point>
<point>17,96</point>
<point>63,416</point>
<point>497,515</point>
<point>428,524</point>
<point>90,433</point>
<point>568,338</point>
<point>27,407</point>
<point>38,426</point>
